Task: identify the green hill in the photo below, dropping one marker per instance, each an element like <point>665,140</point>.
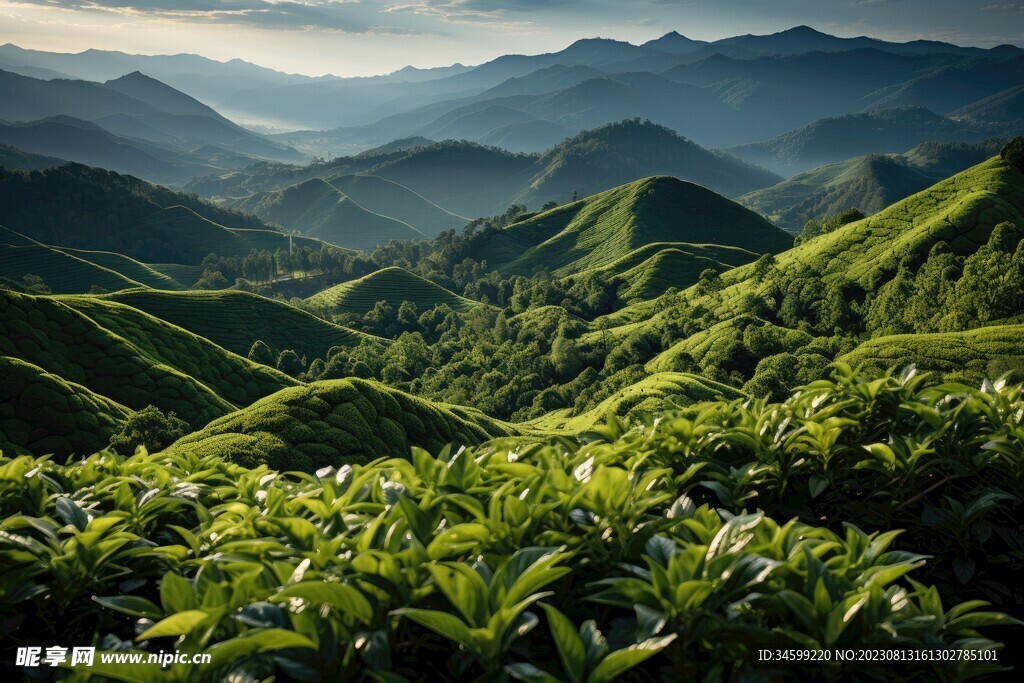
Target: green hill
<point>130,357</point>
<point>179,235</point>
<point>320,210</point>
<point>599,230</point>
<point>42,413</point>
<point>388,198</point>
<point>16,160</point>
<point>831,140</point>
<point>393,285</point>
<point>62,272</point>
<point>128,267</point>
<point>678,266</point>
<point>619,153</point>
<point>335,422</point>
<point>80,207</point>
<point>236,320</point>
<point>971,356</point>
<point>1006,106</point>
<point>869,183</point>
<point>653,394</point>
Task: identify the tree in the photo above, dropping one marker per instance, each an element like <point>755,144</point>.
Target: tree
<point>261,353</point>
<point>149,427</point>
<point>548,206</point>
<point>709,282</point>
<point>1013,152</point>
<point>290,363</point>
<point>212,280</point>
<point>764,267</point>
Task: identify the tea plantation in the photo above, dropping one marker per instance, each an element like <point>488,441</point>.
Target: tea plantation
<point>673,549</point>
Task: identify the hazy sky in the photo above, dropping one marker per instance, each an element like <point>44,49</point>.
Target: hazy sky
<point>358,37</point>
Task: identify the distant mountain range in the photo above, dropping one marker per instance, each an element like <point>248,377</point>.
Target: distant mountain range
<point>133,124</point>
<point>468,179</point>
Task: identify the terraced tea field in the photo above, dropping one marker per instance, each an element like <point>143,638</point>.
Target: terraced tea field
<point>393,285</point>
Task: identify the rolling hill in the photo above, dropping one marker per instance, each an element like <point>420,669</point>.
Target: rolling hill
<point>1005,107</point>
<point>178,234</point>
<point>80,207</point>
<point>393,285</point>
<point>16,160</point>
<point>619,153</point>
<point>62,272</point>
<point>334,423</point>
<point>388,198</point>
<point>971,356</point>
<point>869,183</point>
<point>130,357</point>
<point>42,413</point>
<point>834,139</point>
<point>601,229</point>
<point>236,320</point>
<point>319,210</point>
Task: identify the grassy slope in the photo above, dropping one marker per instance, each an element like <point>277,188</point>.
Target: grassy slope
<point>130,357</point>
<point>599,230</point>
<point>984,353</point>
<point>179,235</point>
<point>334,422</point>
<point>388,198</point>
<point>869,183</point>
<point>322,211</point>
<point>393,285</point>
<point>128,267</point>
<point>678,267</point>
<point>961,211</point>
<point>236,320</point>
<point>62,272</point>
<point>42,413</point>
<point>651,394</point>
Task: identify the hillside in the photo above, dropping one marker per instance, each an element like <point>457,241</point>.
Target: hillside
<point>869,183</point>
<point>42,413</point>
<point>619,153</point>
<point>80,207</point>
<point>597,231</point>
<point>62,272</point>
<point>178,234</point>
<point>332,423</point>
<point>320,210</point>
<point>1005,107</point>
<point>130,357</point>
<point>388,198</point>
<point>128,267</point>
<point>15,159</point>
<point>393,285</point>
<point>970,357</point>
<point>236,320</point>
<point>834,139</point>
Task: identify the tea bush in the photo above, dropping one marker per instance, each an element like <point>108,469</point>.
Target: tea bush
<point>672,549</point>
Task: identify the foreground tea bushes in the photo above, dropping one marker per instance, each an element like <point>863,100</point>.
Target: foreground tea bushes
<point>676,549</point>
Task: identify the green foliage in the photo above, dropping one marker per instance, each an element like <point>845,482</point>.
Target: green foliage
<point>149,428</point>
<point>391,285</point>
<point>331,423</point>
<point>635,552</point>
<point>1013,152</point>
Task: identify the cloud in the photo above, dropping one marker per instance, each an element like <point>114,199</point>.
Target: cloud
<point>347,16</point>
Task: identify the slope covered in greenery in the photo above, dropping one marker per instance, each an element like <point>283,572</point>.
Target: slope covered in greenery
<point>597,231</point>
<point>318,209</point>
<point>130,357</point>
<point>81,207</point>
<point>62,272</point>
<point>971,356</point>
<point>42,413</point>
<point>676,266</point>
<point>388,198</point>
<point>393,285</point>
<point>237,320</point>
<point>332,423</point>
<point>178,234</point>
<point>833,139</point>
<point>633,554</point>
<point>619,153</point>
<point>868,183</point>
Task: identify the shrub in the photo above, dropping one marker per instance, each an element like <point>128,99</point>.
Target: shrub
<point>151,428</point>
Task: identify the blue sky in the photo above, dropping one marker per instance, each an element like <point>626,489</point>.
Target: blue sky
<point>360,37</point>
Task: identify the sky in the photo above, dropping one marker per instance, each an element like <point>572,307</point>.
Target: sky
<point>364,37</point>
